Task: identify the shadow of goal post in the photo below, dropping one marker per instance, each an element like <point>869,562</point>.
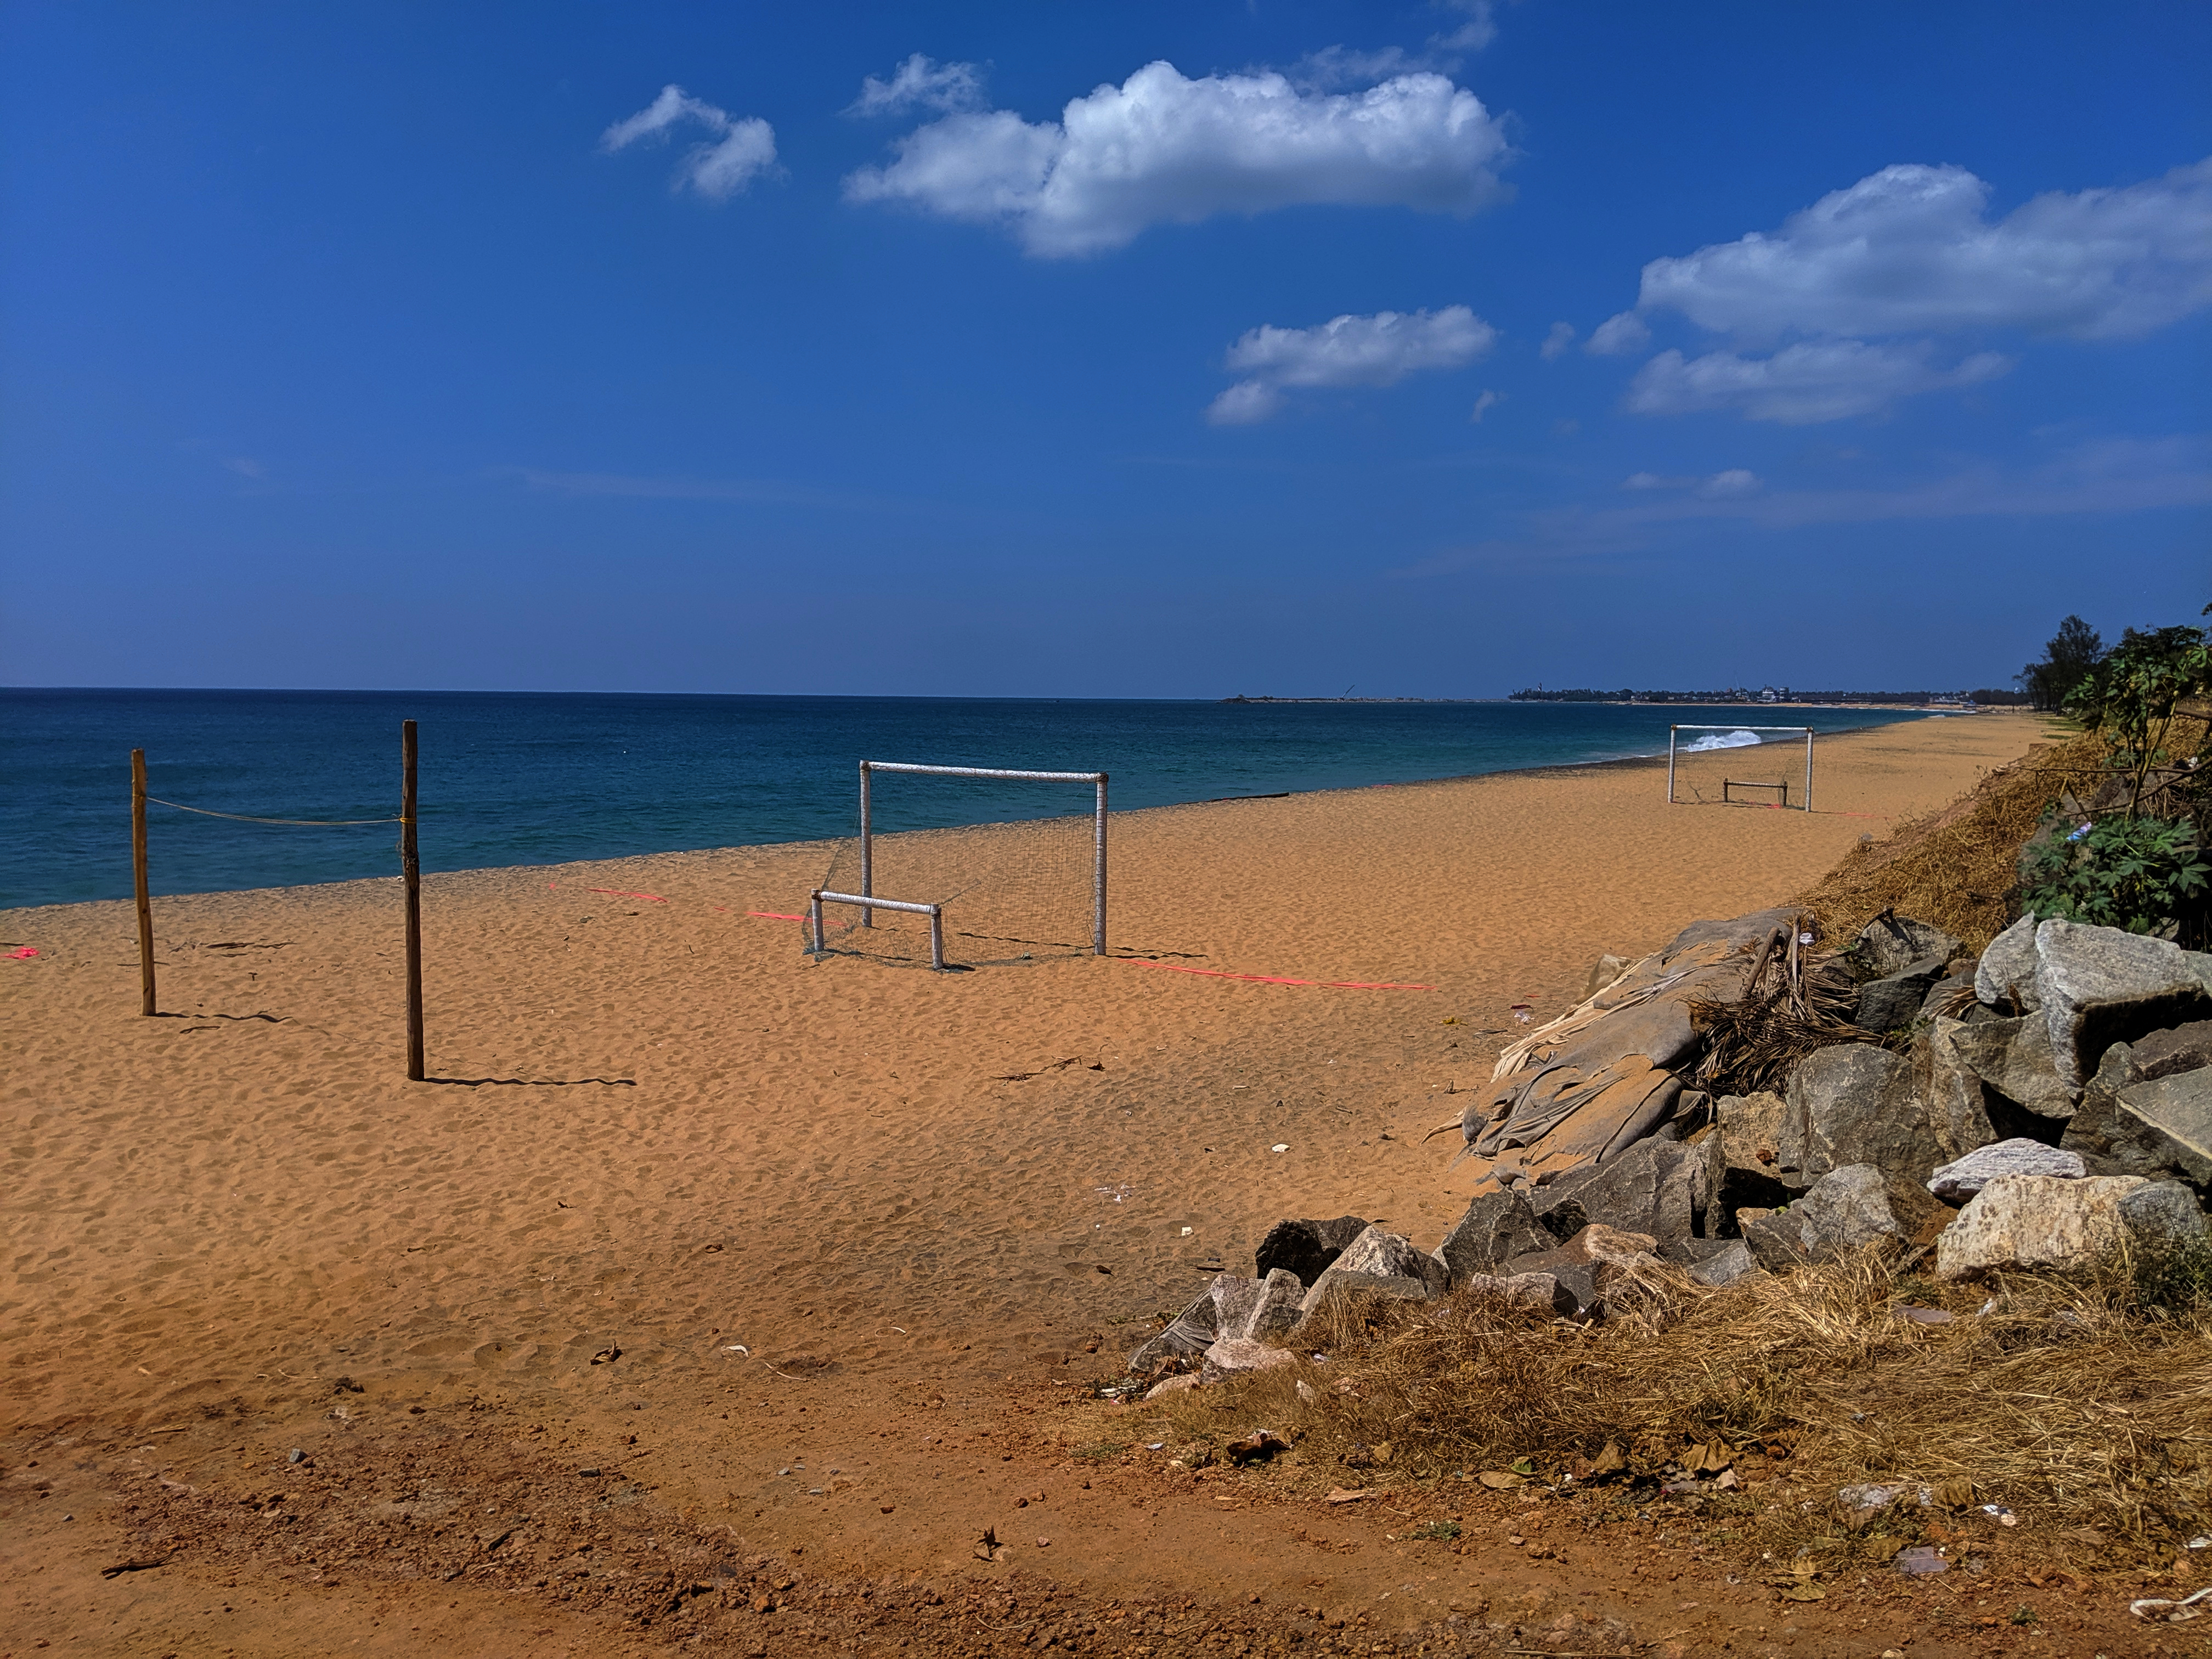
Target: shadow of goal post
<point>1673,731</point>
<point>868,768</point>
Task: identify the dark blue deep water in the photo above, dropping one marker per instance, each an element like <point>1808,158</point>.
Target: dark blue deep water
<point>529,778</point>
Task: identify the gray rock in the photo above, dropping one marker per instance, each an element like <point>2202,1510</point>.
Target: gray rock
<point>1275,1310</point>
<point>1892,1002</point>
<point>1308,1248</point>
<point>2012,1056</point>
<point>2171,1119</point>
<point>1845,1210</point>
<point>1235,1297</point>
<point>2183,1048</point>
<point>1656,1187</point>
<point>1854,1104</point>
<point>2162,1215</point>
<point>1960,1181</point>
<point>1742,1165</point>
<point>1891,943</point>
<point>1391,1255</point>
<point>1946,996</point>
<point>1496,1227</point>
<point>1733,1262</point>
<point>2100,986</point>
<point>2005,976</point>
<point>1236,1356</point>
<point>2036,1221</point>
<point>1336,1285</point>
<point>1958,1101</point>
<point>1576,1281</point>
<point>1534,1292</point>
<point>1192,1332</point>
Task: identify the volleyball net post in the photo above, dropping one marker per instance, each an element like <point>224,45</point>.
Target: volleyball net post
<point>869,903</point>
<point>1673,737</point>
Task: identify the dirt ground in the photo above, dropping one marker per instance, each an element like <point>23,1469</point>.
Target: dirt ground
<point>709,1297</point>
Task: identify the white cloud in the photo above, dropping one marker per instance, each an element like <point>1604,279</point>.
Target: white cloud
<point>1347,66</point>
<point>1561,336</point>
<point>1729,485</point>
<point>1485,403</point>
<point>1911,250</point>
<point>1820,380</point>
<point>1164,149</point>
<point>1478,31</point>
<point>1622,333</point>
<point>1346,351</point>
<point>921,82</point>
<point>740,152</point>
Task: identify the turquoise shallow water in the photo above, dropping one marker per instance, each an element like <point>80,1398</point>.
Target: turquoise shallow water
<point>532,778</point>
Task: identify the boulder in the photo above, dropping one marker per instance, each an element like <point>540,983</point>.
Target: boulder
<point>2100,986</point>
<point>1496,1227</point>
<point>1959,1180</point>
<point>1336,1284</point>
<point>1657,1188</point>
<point>1891,944</point>
<point>1742,1164</point>
<point>1308,1248</point>
<point>1854,1104</point>
<point>1892,1002</point>
<point>1733,1262</point>
<point>2183,1048</point>
<point>2162,1215</point>
<point>1533,1293</point>
<point>2005,976</point>
<point>1236,1356</point>
<point>1275,1310</point>
<point>2012,1056</point>
<point>1952,996</point>
<point>2106,1145</point>
<point>1958,1100</point>
<point>1391,1255</point>
<point>2170,1118</point>
<point>1846,1209</point>
<point>2036,1221</point>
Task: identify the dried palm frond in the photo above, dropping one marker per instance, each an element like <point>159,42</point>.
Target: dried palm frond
<point>1790,1007</point>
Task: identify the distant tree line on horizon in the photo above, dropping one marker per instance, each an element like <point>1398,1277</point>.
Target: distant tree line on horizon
<point>1987,696</point>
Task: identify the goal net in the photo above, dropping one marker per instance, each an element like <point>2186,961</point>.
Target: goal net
<point>1029,887</point>
<point>1740,765</point>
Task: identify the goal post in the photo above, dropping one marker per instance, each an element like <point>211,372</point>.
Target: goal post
<point>1011,774</point>
<point>1674,738</point>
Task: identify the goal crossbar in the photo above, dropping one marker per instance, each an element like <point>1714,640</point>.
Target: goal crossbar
<point>1673,731</point>
<point>868,768</point>
<point>821,897</point>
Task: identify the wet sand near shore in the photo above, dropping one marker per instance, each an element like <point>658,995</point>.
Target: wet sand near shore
<point>811,1262</point>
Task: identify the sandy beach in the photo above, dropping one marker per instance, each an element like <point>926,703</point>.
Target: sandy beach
<point>828,1214</point>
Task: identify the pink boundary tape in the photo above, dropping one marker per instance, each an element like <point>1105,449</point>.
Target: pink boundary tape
<point>1270,979</point>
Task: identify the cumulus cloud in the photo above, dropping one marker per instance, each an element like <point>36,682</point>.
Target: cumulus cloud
<point>1346,351</point>
<point>1622,333</point>
<point>1912,250</point>
<point>921,82</point>
<point>739,152</point>
<point>1561,336</point>
<point>1816,380</point>
<point>1162,148</point>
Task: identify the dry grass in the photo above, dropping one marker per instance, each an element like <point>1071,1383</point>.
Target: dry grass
<point>1957,868</point>
<point>2065,1402</point>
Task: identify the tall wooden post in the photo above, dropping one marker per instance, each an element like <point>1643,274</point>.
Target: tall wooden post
<point>138,871</point>
<point>410,870</point>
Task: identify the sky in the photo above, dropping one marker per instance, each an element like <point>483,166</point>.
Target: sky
<point>1183,350</point>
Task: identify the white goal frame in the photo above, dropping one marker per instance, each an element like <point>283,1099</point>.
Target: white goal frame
<point>869,768</point>
<point>1737,725</point>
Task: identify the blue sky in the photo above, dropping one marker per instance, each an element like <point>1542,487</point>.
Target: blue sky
<point>1138,350</point>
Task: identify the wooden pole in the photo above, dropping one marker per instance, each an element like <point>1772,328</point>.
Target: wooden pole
<point>138,871</point>
<point>410,870</point>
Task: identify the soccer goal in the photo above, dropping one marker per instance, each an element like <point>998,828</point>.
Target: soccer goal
<point>1033,885</point>
<point>1700,769</point>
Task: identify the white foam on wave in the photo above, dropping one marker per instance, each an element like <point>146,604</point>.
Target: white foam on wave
<point>1723,740</point>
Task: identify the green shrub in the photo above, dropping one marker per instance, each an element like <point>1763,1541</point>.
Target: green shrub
<point>2140,874</point>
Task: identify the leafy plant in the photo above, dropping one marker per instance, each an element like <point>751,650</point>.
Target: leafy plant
<point>2134,873</point>
<point>2129,694</point>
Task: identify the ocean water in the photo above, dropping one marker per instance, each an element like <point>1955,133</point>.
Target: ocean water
<point>531,778</point>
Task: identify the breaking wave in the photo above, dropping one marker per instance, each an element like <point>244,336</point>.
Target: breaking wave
<point>1721,740</point>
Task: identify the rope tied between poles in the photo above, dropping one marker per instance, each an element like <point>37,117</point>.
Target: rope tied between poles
<point>242,818</point>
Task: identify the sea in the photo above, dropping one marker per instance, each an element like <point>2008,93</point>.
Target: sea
<point>520,778</point>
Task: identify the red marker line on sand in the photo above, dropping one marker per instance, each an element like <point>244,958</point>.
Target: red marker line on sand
<point>26,953</point>
<point>1269,979</point>
<point>775,916</point>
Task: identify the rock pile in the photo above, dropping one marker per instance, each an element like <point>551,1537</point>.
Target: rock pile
<point>2043,1105</point>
